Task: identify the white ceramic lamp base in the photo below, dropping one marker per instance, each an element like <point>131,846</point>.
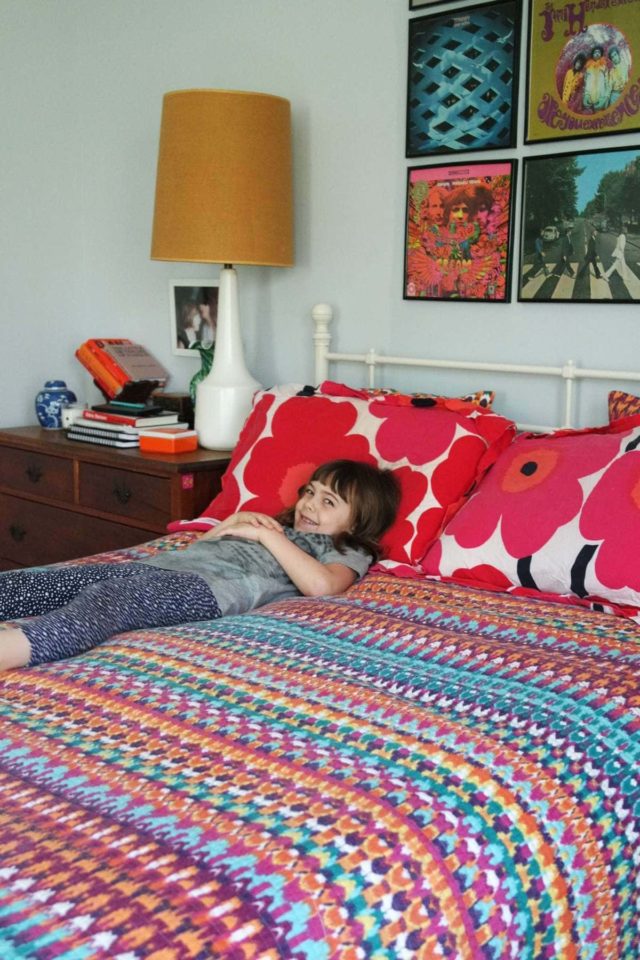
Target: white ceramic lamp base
<point>223,398</point>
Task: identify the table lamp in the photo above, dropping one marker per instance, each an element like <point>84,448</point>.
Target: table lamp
<point>223,195</point>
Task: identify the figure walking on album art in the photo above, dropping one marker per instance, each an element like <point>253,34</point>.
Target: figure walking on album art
<point>591,256</point>
<point>539,263</point>
<point>566,252</point>
<point>619,263</point>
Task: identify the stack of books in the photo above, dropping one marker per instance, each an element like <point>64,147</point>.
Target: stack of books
<point>121,369</point>
<point>119,429</point>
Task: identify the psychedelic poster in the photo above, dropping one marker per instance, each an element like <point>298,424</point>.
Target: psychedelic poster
<point>583,69</point>
<point>458,235</point>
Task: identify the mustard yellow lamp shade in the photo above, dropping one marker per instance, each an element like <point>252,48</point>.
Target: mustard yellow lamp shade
<point>223,185</point>
<point>224,195</point>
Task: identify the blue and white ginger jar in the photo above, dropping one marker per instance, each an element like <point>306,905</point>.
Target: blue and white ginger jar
<point>50,401</point>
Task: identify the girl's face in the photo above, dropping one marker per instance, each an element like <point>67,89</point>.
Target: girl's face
<point>320,510</point>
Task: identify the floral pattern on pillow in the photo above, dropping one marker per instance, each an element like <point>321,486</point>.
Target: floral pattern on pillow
<point>436,453</point>
<point>622,404</point>
<point>479,398</point>
<point>611,515</point>
<point>558,514</point>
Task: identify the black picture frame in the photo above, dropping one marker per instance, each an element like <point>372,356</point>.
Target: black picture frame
<point>462,78</point>
<point>459,226</point>
<point>575,209</point>
<point>420,4</point>
<point>582,70</point>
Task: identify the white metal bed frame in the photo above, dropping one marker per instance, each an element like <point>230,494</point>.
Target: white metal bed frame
<point>569,372</point>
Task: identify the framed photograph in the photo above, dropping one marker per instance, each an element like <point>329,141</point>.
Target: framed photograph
<point>193,311</point>
<point>462,79</point>
<point>582,69</point>
<point>458,236</point>
<point>580,237</point>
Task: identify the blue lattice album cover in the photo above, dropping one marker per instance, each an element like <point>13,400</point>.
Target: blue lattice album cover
<point>462,77</point>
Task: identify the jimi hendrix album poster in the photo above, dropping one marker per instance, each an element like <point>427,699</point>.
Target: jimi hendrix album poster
<point>583,69</point>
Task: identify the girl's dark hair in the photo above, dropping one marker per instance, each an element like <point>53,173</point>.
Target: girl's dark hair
<point>373,495</point>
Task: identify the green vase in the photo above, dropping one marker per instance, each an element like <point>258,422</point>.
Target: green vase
<point>206,358</point>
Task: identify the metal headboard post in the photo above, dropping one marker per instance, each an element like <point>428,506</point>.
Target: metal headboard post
<point>322,315</point>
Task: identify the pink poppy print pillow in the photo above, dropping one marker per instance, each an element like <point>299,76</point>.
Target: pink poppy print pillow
<point>558,514</point>
<point>437,455</point>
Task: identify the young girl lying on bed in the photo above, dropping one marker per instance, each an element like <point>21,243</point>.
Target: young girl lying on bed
<point>317,548</point>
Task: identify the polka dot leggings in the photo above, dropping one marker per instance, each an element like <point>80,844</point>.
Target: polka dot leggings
<point>73,608</point>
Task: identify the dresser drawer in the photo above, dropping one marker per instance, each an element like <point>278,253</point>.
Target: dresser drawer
<point>60,499</point>
<point>125,493</point>
<point>30,472</point>
<point>33,533</point>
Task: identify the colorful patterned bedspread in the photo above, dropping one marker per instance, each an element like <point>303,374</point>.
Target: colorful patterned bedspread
<point>412,770</point>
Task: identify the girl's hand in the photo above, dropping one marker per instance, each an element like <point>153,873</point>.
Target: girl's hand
<point>248,531</point>
<point>243,524</point>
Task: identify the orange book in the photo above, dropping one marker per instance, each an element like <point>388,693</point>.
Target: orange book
<point>121,367</point>
<point>126,362</point>
<point>105,380</point>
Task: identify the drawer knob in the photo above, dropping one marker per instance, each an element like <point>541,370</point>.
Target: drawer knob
<point>121,492</point>
<point>17,532</point>
<point>34,473</point>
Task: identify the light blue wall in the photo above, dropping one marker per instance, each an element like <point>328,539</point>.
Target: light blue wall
<point>80,109</point>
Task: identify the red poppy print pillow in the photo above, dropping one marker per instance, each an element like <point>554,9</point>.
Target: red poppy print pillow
<point>558,514</point>
<point>437,455</point>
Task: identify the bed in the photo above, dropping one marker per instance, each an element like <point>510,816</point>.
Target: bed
<point>442,762</point>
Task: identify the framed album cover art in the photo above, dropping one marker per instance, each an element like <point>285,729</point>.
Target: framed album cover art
<point>458,234</point>
<point>462,79</point>
<point>583,69</point>
<point>580,227</point>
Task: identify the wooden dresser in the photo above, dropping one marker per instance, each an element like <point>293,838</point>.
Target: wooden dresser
<point>61,499</point>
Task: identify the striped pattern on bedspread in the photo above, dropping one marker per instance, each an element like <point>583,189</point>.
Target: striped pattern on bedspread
<point>413,770</point>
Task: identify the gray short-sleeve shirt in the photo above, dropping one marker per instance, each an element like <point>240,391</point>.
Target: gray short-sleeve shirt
<point>242,574</point>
